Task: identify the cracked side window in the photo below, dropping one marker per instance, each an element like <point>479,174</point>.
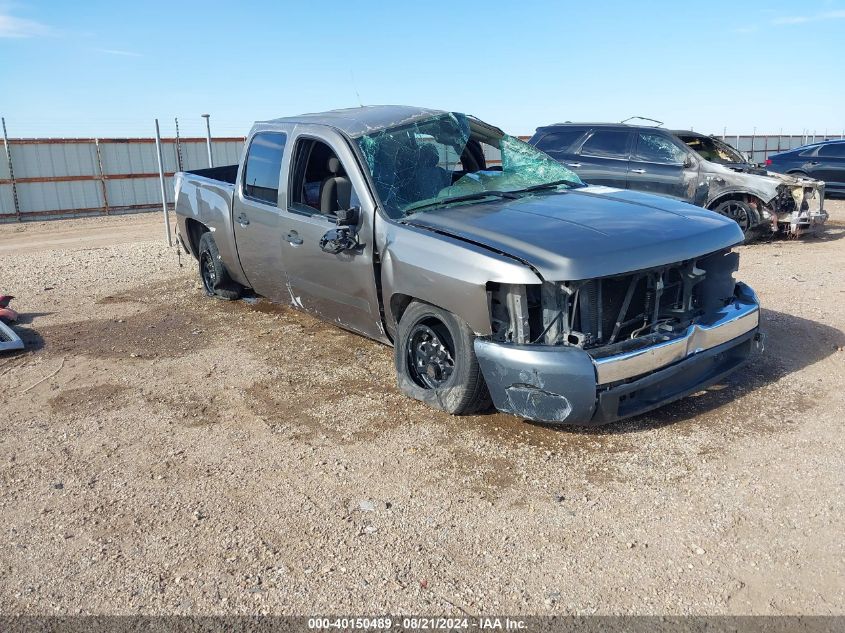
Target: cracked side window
<point>433,160</point>
<point>658,149</point>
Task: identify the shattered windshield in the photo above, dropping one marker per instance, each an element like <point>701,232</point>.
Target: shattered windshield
<point>452,158</point>
<point>714,150</point>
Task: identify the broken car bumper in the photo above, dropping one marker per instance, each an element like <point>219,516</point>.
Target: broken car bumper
<point>563,384</point>
<point>811,216</point>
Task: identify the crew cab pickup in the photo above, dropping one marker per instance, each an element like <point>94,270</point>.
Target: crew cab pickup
<point>494,272</point>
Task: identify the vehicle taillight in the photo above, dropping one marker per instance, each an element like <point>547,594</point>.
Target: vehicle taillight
<point>768,162</point>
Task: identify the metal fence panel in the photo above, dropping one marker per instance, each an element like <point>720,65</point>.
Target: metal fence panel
<point>43,197</point>
<point>7,203</point>
<point>137,191</point>
<point>195,154</point>
<point>133,157</point>
<point>51,160</point>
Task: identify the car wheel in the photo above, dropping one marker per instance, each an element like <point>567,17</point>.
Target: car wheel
<point>213,274</point>
<point>740,212</point>
<point>435,360</point>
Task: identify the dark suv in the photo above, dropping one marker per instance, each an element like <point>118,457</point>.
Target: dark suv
<point>825,161</point>
<point>688,166</point>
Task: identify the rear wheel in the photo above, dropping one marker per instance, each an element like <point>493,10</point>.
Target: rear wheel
<point>740,212</point>
<point>435,360</point>
<point>215,278</point>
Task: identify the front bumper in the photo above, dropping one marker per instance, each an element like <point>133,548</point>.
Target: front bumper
<point>567,385</point>
<point>806,220</point>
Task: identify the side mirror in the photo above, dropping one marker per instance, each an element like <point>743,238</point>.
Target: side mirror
<point>688,161</point>
<point>348,217</point>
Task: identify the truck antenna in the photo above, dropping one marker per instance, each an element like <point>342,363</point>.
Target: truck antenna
<point>355,88</point>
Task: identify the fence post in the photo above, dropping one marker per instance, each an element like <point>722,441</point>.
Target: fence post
<point>163,189</point>
<point>102,176</point>
<point>11,171</point>
<point>207,118</point>
<point>178,146</point>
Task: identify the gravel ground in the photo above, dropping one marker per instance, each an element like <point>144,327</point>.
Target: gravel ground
<point>186,455</point>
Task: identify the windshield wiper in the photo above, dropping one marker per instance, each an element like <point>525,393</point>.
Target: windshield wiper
<point>551,185</point>
<point>470,196</point>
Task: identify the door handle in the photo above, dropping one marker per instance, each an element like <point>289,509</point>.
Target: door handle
<point>242,219</point>
<point>293,238</point>
<point>638,171</point>
<point>576,165</point>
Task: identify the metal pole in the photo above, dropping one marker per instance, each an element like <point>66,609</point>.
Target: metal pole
<point>178,146</point>
<point>11,171</point>
<point>207,118</point>
<point>102,176</point>
<point>163,191</point>
<point>753,136</point>
<point>724,132</point>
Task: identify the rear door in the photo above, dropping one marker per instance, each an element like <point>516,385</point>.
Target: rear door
<point>831,165</point>
<point>256,215</point>
<point>657,166</point>
<point>602,158</point>
<point>339,287</point>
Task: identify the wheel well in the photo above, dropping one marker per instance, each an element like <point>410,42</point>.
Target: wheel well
<point>195,230</point>
<point>398,304</point>
<point>748,198</point>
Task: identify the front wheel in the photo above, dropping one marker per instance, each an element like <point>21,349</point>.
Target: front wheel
<point>740,212</point>
<point>435,360</point>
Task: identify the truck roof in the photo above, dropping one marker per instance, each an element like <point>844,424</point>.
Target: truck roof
<point>362,120</point>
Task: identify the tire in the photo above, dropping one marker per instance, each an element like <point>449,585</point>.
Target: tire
<point>740,212</point>
<point>435,361</point>
<point>213,274</point>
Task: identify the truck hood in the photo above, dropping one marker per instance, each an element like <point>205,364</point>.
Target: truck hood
<point>587,233</point>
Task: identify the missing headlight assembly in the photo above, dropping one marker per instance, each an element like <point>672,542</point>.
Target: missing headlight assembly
<point>613,314</point>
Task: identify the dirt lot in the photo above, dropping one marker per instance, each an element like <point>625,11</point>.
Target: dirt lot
<point>192,455</point>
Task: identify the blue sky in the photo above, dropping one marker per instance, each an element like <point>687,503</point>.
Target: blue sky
<point>108,67</point>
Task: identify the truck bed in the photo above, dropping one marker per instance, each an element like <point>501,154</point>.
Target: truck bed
<point>226,173</point>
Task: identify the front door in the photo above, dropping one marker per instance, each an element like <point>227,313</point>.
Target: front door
<point>831,165</point>
<point>323,177</point>
<point>657,166</point>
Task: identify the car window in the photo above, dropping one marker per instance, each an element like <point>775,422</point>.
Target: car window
<point>657,148</point>
<point>319,182</point>
<point>834,150</point>
<point>558,140</point>
<point>607,143</point>
<point>263,166</point>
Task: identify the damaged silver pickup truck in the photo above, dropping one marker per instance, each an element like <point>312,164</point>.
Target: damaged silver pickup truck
<point>491,268</point>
